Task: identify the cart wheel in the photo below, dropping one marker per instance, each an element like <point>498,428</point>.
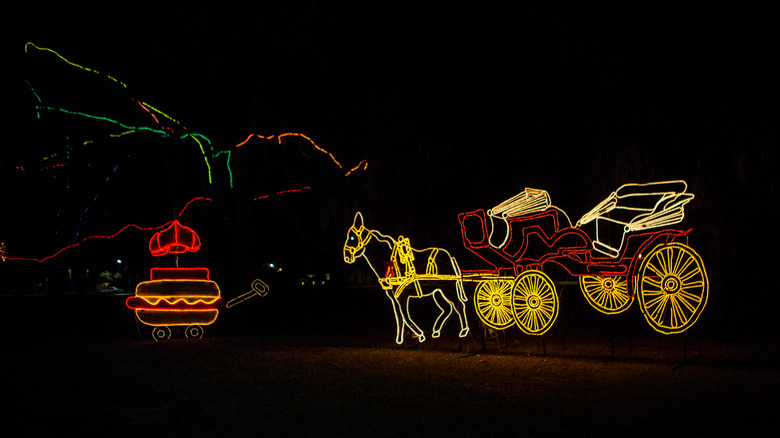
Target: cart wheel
<point>534,302</point>
<point>493,301</point>
<point>606,294</point>
<point>161,333</point>
<point>194,332</point>
<point>673,287</point>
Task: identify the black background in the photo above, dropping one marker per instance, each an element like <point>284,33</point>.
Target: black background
<point>454,107</point>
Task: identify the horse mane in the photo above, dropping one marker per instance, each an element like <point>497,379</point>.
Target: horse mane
<point>380,260</point>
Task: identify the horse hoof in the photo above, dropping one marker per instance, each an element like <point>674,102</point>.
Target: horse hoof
<point>436,334</point>
<point>421,338</point>
<point>464,332</point>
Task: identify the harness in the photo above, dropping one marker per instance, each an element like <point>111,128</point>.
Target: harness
<point>363,239</point>
<point>401,270</point>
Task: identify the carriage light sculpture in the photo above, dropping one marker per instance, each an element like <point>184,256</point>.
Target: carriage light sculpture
<point>523,235</point>
<point>404,273</point>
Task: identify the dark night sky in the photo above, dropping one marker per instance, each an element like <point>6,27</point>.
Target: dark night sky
<point>456,108</point>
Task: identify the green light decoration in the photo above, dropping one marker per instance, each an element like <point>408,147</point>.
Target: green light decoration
<point>29,45</point>
<point>204,144</point>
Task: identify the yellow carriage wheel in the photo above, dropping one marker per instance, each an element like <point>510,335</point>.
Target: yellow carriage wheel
<point>493,301</point>
<point>606,294</point>
<point>534,302</point>
<point>673,287</point>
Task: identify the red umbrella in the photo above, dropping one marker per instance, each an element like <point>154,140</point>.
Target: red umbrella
<point>175,239</point>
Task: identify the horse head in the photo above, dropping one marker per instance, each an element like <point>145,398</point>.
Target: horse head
<point>357,239</point>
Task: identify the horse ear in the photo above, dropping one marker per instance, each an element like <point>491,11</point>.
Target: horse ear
<point>358,221</point>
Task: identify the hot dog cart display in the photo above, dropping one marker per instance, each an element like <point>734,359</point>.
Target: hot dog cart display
<point>180,297</point>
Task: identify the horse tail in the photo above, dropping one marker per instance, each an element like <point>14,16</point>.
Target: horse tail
<point>458,282</point>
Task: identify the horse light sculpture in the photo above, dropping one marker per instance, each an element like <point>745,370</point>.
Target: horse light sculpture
<point>406,266</point>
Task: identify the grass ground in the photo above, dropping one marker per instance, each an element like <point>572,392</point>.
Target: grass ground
<point>76,366</point>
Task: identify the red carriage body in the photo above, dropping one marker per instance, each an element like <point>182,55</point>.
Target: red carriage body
<point>633,251</point>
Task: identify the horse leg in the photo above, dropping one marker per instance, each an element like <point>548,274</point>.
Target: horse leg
<point>410,322</point>
<point>464,324</point>
<point>399,318</point>
<point>461,299</point>
<point>460,308</point>
<point>446,312</point>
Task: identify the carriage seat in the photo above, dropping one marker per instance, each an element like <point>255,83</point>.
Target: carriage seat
<point>636,207</point>
<point>526,202</point>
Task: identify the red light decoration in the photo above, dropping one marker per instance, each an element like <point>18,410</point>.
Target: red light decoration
<point>176,296</point>
<point>175,239</point>
<point>43,259</point>
<point>180,297</point>
<point>199,198</point>
<point>106,237</point>
<point>179,274</point>
<point>302,189</point>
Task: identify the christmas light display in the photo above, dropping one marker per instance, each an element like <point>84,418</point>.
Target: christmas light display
<point>302,189</point>
<point>169,127</point>
<point>404,273</point>
<point>673,287</point>
<point>523,235</point>
<point>361,165</point>
<point>187,298</point>
<point>29,45</point>
<point>111,236</point>
<point>174,239</point>
<point>259,289</point>
<point>162,126</point>
<point>634,251</point>
<point>176,297</point>
<point>636,207</point>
